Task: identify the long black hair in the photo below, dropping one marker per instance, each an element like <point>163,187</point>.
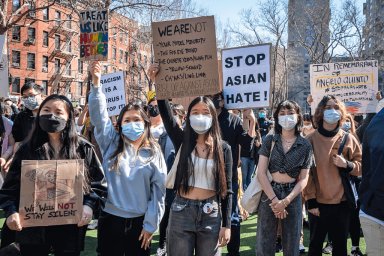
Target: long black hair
<point>38,141</point>
<point>185,168</point>
<point>148,142</point>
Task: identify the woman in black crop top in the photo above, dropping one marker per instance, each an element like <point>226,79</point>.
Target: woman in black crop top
<point>288,157</point>
<point>196,222</point>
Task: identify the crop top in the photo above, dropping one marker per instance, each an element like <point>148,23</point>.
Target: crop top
<point>203,173</point>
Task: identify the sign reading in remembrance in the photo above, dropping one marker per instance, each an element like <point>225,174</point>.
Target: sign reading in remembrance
<point>355,83</point>
<point>114,90</point>
<point>186,52</point>
<point>94,35</point>
<point>246,76</point>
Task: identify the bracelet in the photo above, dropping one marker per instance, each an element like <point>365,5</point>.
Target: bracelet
<point>273,198</point>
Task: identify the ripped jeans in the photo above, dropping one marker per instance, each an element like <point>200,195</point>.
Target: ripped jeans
<point>267,223</point>
<point>193,227</point>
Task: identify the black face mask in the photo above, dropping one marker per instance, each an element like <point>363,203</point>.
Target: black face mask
<point>153,111</point>
<point>216,102</point>
<point>51,123</point>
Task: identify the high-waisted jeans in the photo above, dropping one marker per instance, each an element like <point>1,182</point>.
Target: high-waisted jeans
<point>267,223</point>
<point>194,227</point>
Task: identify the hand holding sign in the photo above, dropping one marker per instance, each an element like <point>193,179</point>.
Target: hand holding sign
<point>86,216</point>
<point>95,70</point>
<point>152,71</point>
<point>13,222</point>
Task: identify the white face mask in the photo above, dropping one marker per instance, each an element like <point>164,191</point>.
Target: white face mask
<point>200,123</point>
<point>288,122</point>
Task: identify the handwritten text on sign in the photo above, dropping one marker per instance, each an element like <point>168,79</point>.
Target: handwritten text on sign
<point>51,192</point>
<point>114,90</point>
<point>246,76</point>
<point>354,83</point>
<point>186,52</point>
<point>94,35</point>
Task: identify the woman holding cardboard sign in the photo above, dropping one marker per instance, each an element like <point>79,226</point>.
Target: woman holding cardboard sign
<point>54,137</point>
<point>200,217</point>
<point>135,171</point>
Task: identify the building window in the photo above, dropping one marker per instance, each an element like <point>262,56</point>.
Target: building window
<point>57,42</point>
<point>69,70</point>
<point>16,59</point>
<point>126,58</point>
<point>80,66</point>
<point>114,53</point>
<point>16,33</point>
<point>45,14</point>
<point>45,64</point>
<point>44,83</point>
<point>31,35</point>
<point>79,90</point>
<point>69,46</point>
<point>57,66</point>
<point>45,38</point>
<point>69,21</point>
<point>29,80</point>
<point>306,71</point>
<point>57,18</point>
<point>15,5</point>
<point>31,61</point>
<point>16,84</point>
<point>121,56</point>
<point>32,8</point>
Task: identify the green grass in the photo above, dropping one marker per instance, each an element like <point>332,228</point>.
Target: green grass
<point>248,234</point>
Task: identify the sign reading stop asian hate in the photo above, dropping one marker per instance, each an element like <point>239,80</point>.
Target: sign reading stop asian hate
<point>94,35</point>
<point>354,83</point>
<point>246,76</point>
<point>114,90</point>
<point>186,52</point>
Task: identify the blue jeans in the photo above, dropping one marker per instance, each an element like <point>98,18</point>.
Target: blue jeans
<point>192,231</point>
<point>267,224</point>
<point>247,170</point>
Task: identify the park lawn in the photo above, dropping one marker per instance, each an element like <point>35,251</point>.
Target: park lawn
<point>248,234</point>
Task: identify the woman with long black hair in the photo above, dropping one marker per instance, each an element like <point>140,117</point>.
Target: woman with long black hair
<point>53,137</point>
<point>200,217</point>
<point>135,172</point>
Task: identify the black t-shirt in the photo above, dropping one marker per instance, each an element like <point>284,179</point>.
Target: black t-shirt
<point>22,126</point>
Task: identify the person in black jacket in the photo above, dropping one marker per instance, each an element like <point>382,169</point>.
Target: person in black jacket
<point>371,192</point>
<point>54,137</point>
<point>202,180</point>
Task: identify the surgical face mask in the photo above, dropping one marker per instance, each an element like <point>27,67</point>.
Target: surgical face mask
<point>200,123</point>
<point>31,103</point>
<point>157,131</point>
<point>307,126</point>
<point>262,115</point>
<point>288,122</point>
<point>346,126</point>
<point>332,116</point>
<point>51,123</point>
<point>153,110</point>
<point>133,130</point>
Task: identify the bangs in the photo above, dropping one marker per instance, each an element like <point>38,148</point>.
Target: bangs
<point>287,105</point>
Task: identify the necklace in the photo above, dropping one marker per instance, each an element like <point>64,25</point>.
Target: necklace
<point>287,144</point>
<point>202,148</point>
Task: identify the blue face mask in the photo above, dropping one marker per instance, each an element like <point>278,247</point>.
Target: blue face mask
<point>332,116</point>
<point>262,115</point>
<point>346,126</point>
<point>31,103</point>
<point>133,130</point>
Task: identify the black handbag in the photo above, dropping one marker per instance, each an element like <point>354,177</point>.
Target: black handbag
<point>350,190</point>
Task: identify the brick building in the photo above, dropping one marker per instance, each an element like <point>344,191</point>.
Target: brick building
<point>44,48</point>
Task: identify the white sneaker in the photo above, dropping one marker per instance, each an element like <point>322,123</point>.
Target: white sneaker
<point>301,248</point>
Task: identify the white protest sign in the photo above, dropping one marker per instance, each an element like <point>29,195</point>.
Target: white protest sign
<point>246,76</point>
<point>354,83</point>
<point>114,90</point>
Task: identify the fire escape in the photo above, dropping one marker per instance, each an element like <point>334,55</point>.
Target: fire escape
<point>62,54</point>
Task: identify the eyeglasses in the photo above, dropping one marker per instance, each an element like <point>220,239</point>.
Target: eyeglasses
<point>28,96</point>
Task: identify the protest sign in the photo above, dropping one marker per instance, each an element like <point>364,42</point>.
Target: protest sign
<point>246,76</point>
<point>51,192</point>
<point>355,83</point>
<point>186,52</point>
<point>4,77</point>
<point>114,90</point>
<point>94,35</point>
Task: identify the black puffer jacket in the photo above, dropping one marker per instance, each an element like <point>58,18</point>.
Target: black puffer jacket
<point>10,192</point>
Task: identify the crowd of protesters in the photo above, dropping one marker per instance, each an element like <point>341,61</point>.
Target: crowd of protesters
<point>160,167</point>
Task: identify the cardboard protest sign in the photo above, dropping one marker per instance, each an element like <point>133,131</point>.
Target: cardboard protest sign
<point>246,76</point>
<point>114,90</point>
<point>94,35</point>
<point>355,83</point>
<point>186,52</point>
<point>51,192</point>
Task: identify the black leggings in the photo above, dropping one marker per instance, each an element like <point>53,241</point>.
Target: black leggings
<point>163,226</point>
